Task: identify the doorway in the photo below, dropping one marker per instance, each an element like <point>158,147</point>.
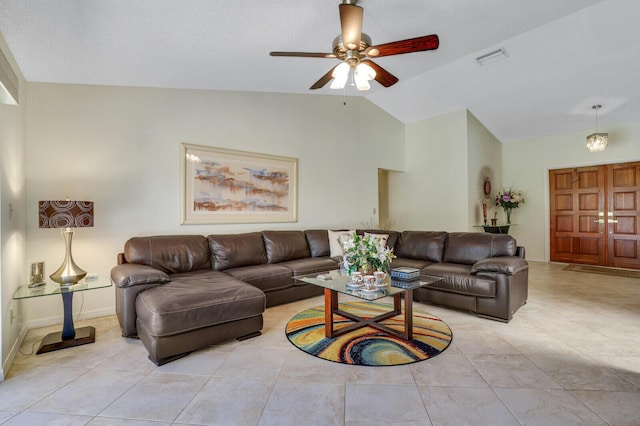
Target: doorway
<point>594,215</point>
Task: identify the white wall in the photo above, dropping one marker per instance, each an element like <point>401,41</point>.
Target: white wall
<point>12,216</point>
<point>484,151</point>
<point>526,165</point>
<point>120,147</point>
<point>433,193</point>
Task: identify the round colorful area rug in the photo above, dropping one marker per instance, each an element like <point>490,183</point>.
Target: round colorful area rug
<point>367,345</point>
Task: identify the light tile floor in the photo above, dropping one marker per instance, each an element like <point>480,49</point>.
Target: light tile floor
<point>570,356</point>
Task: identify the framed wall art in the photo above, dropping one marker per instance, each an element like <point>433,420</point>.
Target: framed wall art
<point>228,186</point>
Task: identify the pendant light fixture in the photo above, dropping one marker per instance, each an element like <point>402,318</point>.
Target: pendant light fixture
<point>597,141</point>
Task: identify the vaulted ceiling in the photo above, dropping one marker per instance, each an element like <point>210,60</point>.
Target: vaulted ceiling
<point>563,55</point>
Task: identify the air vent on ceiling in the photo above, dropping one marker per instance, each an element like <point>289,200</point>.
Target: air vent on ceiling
<point>491,57</point>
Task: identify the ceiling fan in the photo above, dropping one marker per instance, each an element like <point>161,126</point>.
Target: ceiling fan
<point>354,49</point>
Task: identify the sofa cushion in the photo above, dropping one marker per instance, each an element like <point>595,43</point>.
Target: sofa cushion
<point>236,250</point>
<point>318,240</point>
<point>470,247</point>
<point>336,240</point>
<point>169,253</point>
<point>423,245</point>
<point>403,262</point>
<point>194,301</point>
<point>267,277</point>
<point>285,245</point>
<point>130,274</point>
<point>310,265</point>
<point>458,279</point>
<point>503,265</point>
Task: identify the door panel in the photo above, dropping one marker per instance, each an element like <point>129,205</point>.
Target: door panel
<point>577,201</point>
<point>623,217</point>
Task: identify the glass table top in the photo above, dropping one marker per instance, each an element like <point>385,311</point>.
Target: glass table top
<point>26,292</point>
<point>340,282</point>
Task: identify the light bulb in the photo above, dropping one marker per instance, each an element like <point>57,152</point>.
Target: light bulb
<point>366,71</point>
<point>340,75</point>
<point>362,74</point>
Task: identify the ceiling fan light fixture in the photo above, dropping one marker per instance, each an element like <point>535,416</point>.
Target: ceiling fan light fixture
<point>362,74</point>
<point>361,83</point>
<point>353,46</point>
<point>366,71</point>
<point>340,76</point>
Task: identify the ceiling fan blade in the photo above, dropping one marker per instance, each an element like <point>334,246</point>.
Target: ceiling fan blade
<point>383,76</point>
<point>323,80</point>
<point>418,44</point>
<point>351,22</point>
<point>303,54</point>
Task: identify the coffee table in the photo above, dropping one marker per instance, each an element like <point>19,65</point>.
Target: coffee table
<point>337,283</point>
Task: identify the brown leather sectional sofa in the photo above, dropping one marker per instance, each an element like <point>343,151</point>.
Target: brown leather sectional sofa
<point>184,292</point>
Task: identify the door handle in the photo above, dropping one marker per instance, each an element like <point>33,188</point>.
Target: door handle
<point>599,221</point>
<point>612,221</point>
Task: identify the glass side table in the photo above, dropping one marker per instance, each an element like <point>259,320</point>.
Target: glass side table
<point>69,336</point>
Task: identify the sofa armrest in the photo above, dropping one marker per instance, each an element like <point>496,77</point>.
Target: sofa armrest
<point>509,265</point>
<point>131,274</point>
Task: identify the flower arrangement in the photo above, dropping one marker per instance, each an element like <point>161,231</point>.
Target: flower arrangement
<point>509,199</point>
<point>366,252</point>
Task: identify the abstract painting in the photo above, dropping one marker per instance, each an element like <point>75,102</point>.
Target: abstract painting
<point>228,186</point>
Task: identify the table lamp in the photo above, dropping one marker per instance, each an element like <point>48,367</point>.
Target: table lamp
<point>67,215</point>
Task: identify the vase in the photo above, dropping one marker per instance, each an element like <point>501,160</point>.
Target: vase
<point>508,212</point>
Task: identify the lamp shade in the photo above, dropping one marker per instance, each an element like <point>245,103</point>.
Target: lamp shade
<point>65,214</point>
<point>597,142</point>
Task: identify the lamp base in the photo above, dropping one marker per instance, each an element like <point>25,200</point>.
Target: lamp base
<point>66,280</point>
<point>68,273</point>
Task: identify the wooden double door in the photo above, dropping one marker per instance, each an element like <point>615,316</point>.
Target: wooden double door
<point>595,216</point>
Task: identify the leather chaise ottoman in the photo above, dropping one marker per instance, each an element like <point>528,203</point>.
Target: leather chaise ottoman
<point>176,318</point>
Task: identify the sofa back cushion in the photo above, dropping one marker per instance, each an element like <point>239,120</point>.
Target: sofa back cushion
<point>318,240</point>
<point>337,240</point>
<point>169,253</point>
<point>285,245</point>
<point>469,247</point>
<point>236,250</point>
<point>422,245</point>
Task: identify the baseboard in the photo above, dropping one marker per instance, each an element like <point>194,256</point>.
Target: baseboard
<point>58,319</point>
<point>13,352</point>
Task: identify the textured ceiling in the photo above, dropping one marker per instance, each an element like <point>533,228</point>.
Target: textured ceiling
<point>564,55</point>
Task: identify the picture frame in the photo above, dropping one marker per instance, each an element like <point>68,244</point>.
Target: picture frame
<point>222,185</point>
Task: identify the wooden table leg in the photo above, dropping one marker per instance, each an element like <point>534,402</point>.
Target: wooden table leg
<point>330,305</point>
<point>408,314</point>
